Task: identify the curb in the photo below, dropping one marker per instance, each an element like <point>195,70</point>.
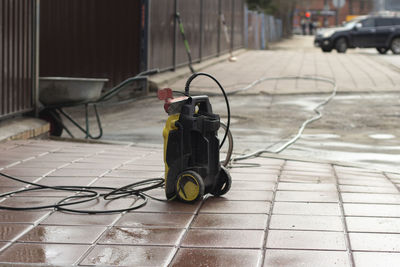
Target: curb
<point>165,78</point>
<point>23,128</point>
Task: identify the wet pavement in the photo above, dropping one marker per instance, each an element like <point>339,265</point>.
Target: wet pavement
<point>366,106</point>
<point>280,212</point>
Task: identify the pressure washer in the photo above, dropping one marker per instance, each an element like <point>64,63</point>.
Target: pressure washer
<point>191,147</point>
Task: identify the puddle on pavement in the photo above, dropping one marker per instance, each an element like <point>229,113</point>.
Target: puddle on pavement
<point>382,136</point>
<point>319,136</point>
<point>385,157</point>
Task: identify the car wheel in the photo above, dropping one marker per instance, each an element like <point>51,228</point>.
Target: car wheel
<point>382,50</point>
<point>341,45</point>
<point>326,50</point>
<point>395,45</point>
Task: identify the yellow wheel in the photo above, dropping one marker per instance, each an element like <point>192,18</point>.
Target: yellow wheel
<point>189,186</point>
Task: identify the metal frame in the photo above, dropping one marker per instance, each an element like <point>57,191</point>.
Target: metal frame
<point>58,109</point>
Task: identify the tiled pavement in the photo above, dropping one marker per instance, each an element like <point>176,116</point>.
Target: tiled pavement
<point>353,72</point>
<point>280,213</point>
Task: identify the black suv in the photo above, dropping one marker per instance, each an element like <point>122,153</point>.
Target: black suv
<point>380,32</point>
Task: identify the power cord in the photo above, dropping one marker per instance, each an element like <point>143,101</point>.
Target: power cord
<point>87,193</point>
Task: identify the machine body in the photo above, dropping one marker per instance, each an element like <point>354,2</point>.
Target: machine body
<point>191,150</point>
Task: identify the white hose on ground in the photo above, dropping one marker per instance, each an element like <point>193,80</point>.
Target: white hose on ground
<point>305,123</point>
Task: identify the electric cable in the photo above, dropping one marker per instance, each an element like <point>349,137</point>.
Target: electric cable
<point>228,109</point>
<point>92,193</point>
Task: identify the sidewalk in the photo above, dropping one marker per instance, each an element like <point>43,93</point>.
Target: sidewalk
<point>281,213</point>
<point>353,72</point>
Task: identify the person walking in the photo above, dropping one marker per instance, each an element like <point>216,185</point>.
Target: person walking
<point>303,26</point>
<point>310,27</point>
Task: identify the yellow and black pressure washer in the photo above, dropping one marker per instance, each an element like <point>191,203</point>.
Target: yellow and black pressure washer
<point>191,149</point>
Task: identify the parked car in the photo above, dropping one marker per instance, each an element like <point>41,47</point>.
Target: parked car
<point>381,32</point>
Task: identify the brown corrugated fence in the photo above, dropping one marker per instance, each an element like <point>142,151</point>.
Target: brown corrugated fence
<point>17,44</point>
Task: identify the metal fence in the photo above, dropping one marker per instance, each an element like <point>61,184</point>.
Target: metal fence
<point>91,38</point>
<point>203,28</point>
<point>17,62</point>
<point>261,29</point>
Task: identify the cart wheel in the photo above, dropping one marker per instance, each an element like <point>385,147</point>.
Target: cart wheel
<point>223,184</point>
<point>189,186</point>
<point>56,126</point>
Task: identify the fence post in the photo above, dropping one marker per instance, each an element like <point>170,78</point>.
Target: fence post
<point>175,36</point>
<point>35,55</point>
<point>232,24</point>
<point>201,30</point>
<point>246,26</point>
<point>219,27</point>
<point>144,35</point>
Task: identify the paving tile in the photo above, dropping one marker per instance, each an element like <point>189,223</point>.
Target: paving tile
<point>297,196</point>
<point>301,222</point>
<point>12,216</point>
<point>366,182</point>
<point>293,208</point>
<point>135,174</point>
<point>172,207</point>
<point>4,244</point>
<point>30,201</point>
<point>375,242</point>
<point>373,259</point>
<point>306,187</point>
<point>373,225</point>
<point>9,189</point>
<point>250,185</point>
<point>223,238</point>
<point>306,179</point>
<point>33,164</point>
<point>62,218</point>
<point>57,181</point>
<point>11,183</point>
<point>230,221</point>
<point>306,240</point>
<point>264,161</point>
<point>253,171</point>
<point>193,257</point>
<point>248,195</point>
<point>367,189</point>
<point>9,231</point>
<point>155,220</point>
<point>255,177</point>
<point>142,236</point>
<point>141,167</point>
<point>112,255</point>
<point>92,165</point>
<point>63,234</point>
<point>371,198</point>
<point>303,258</point>
<point>47,254</point>
<point>226,206</point>
<point>115,182</point>
<point>100,204</point>
<point>382,210</point>
<point>18,171</point>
